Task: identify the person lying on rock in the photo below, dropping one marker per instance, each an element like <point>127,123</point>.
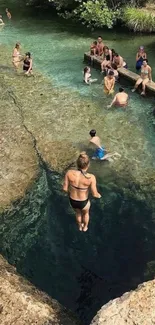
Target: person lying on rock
<point>145,77</point>
<point>100,152</point>
<point>78,183</point>
<point>120,99</point>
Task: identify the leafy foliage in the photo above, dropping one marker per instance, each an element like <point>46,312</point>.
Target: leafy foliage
<point>96,13</point>
<point>139,19</point>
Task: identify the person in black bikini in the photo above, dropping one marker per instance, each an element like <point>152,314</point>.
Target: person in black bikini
<point>107,59</point>
<point>77,183</point>
<point>27,63</point>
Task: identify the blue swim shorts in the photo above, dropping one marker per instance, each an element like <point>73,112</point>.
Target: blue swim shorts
<point>99,153</point>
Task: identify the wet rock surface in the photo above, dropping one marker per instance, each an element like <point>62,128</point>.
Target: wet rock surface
<point>22,304</point>
<point>135,307</point>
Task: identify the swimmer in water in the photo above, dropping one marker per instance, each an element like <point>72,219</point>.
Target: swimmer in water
<point>17,57</point>
<point>1,21</point>
<point>8,13</point>
<point>120,99</point>
<point>27,64</point>
<point>78,183</point>
<point>87,76</point>
<point>109,83</point>
<point>100,152</point>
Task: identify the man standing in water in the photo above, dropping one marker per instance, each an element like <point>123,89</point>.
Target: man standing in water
<point>120,99</point>
<point>78,183</point>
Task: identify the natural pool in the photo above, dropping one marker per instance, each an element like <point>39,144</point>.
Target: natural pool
<point>39,235</point>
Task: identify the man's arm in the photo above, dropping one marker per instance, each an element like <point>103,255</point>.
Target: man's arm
<point>120,65</point>
<point>93,187</point>
<point>113,101</point>
<point>66,183</point>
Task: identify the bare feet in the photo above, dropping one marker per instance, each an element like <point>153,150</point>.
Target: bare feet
<point>80,227</point>
<point>85,228</point>
<point>142,93</point>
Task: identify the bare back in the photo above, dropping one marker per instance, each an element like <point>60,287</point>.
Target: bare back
<point>121,98</point>
<point>79,184</point>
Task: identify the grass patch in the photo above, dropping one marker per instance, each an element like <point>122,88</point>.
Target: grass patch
<point>139,20</point>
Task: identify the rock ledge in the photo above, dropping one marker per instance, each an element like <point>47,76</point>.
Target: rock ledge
<point>133,308</point>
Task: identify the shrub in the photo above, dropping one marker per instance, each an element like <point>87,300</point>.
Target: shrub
<point>139,20</point>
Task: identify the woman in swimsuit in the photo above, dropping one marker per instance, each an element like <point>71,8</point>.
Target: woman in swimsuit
<point>107,59</point>
<point>27,64</point>
<point>144,78</point>
<point>16,56</point>
<point>87,76</point>
<point>77,183</point>
<point>141,55</point>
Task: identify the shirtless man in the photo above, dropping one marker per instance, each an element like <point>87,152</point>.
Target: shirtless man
<point>100,46</point>
<point>100,151</point>
<point>118,60</point>
<point>109,83</point>
<point>120,99</point>
<point>78,183</point>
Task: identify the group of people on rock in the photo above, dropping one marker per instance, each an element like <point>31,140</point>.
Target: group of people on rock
<point>8,13</point>
<point>110,63</point>
<point>18,58</point>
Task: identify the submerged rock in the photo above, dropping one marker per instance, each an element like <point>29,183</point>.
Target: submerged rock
<point>135,307</point>
<point>23,304</point>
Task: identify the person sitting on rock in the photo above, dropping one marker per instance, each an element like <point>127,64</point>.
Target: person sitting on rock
<point>120,99</point>
<point>100,46</point>
<point>119,61</point>
<point>107,59</point>
<point>109,83</point>
<point>140,56</point>
<point>93,48</point>
<point>145,77</point>
<point>114,69</point>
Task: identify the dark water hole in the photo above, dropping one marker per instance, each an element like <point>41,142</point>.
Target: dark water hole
<point>82,271</point>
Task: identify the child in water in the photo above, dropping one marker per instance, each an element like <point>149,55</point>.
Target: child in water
<point>87,76</point>
<point>100,152</point>
<point>109,83</point>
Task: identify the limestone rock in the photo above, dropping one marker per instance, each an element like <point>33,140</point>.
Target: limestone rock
<point>23,304</point>
<point>133,308</point>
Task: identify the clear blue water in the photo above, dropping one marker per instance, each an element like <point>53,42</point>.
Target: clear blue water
<point>68,266</point>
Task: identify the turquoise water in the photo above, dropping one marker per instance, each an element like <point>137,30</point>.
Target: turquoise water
<point>57,48</point>
<point>83,272</point>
